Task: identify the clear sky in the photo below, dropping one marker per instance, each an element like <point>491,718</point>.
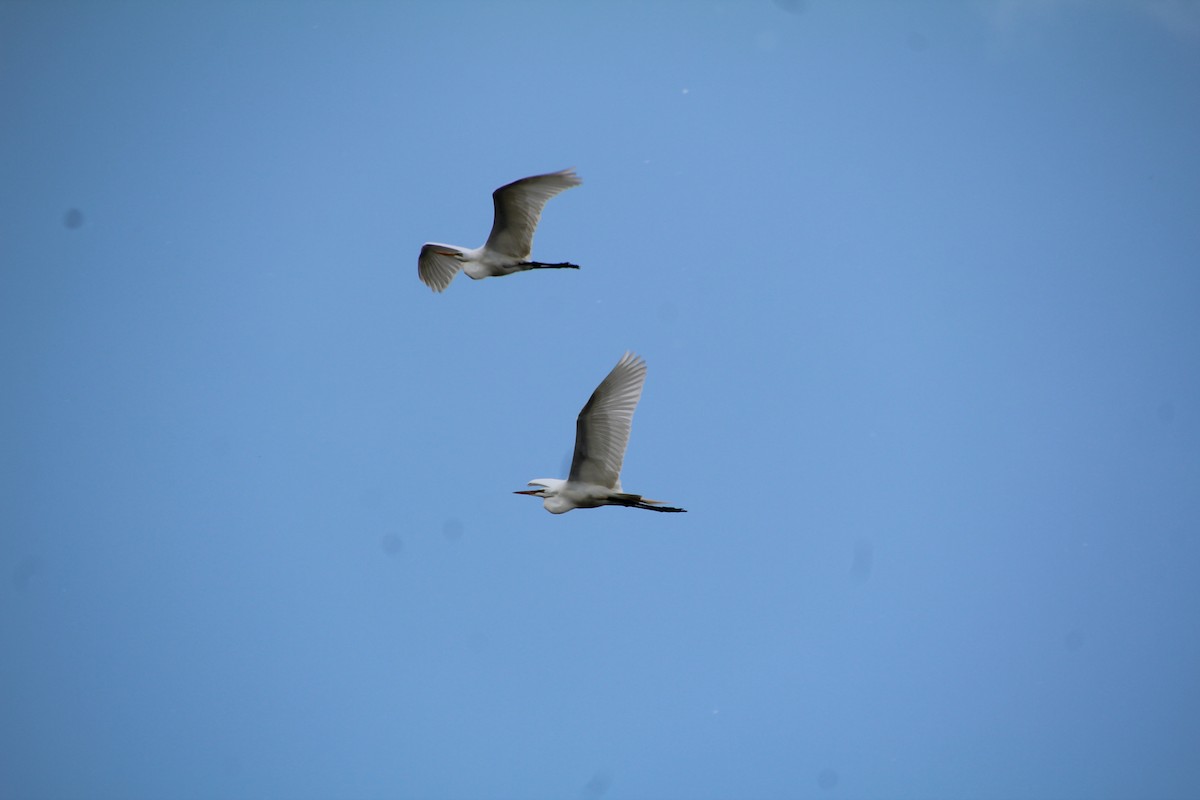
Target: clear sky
<point>918,285</point>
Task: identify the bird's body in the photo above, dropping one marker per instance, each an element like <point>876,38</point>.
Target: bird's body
<point>601,436</point>
<point>518,208</point>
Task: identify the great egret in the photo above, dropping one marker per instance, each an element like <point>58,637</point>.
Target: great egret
<point>601,435</point>
<point>518,208</point>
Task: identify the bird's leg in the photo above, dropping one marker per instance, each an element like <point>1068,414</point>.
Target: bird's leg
<point>637,501</point>
<point>544,265</point>
<point>649,507</point>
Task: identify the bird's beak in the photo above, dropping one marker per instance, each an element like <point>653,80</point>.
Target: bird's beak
<point>531,492</point>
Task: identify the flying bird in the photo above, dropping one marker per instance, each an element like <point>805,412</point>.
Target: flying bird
<point>518,208</point>
<point>601,436</point>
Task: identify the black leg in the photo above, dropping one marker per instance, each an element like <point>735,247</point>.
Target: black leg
<point>544,265</point>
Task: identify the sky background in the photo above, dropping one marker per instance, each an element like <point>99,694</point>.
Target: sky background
<point>918,285</point>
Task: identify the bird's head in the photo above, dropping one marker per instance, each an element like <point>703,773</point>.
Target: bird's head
<point>549,489</point>
<point>543,487</point>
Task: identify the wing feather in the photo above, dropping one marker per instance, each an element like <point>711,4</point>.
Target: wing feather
<point>602,430</point>
<point>435,267</point>
<point>519,207</point>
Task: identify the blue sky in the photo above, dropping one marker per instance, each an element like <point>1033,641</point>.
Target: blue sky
<point>917,284</point>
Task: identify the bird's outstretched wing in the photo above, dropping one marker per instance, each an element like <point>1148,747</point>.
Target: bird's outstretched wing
<point>602,430</point>
<point>519,207</point>
<point>436,266</point>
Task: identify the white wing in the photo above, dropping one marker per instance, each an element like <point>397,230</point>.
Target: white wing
<point>519,207</point>
<point>602,430</point>
<point>436,267</point>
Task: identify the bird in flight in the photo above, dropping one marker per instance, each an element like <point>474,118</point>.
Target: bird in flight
<point>518,208</point>
<point>601,436</point>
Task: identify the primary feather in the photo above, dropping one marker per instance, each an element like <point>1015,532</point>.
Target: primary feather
<point>602,429</point>
<point>519,209</point>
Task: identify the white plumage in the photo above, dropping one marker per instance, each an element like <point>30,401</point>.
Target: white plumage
<point>601,436</point>
<point>518,208</point>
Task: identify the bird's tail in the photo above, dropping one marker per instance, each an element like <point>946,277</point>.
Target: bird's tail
<point>637,501</point>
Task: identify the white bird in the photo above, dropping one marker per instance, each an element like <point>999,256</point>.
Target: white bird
<point>518,208</point>
<point>601,436</point>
